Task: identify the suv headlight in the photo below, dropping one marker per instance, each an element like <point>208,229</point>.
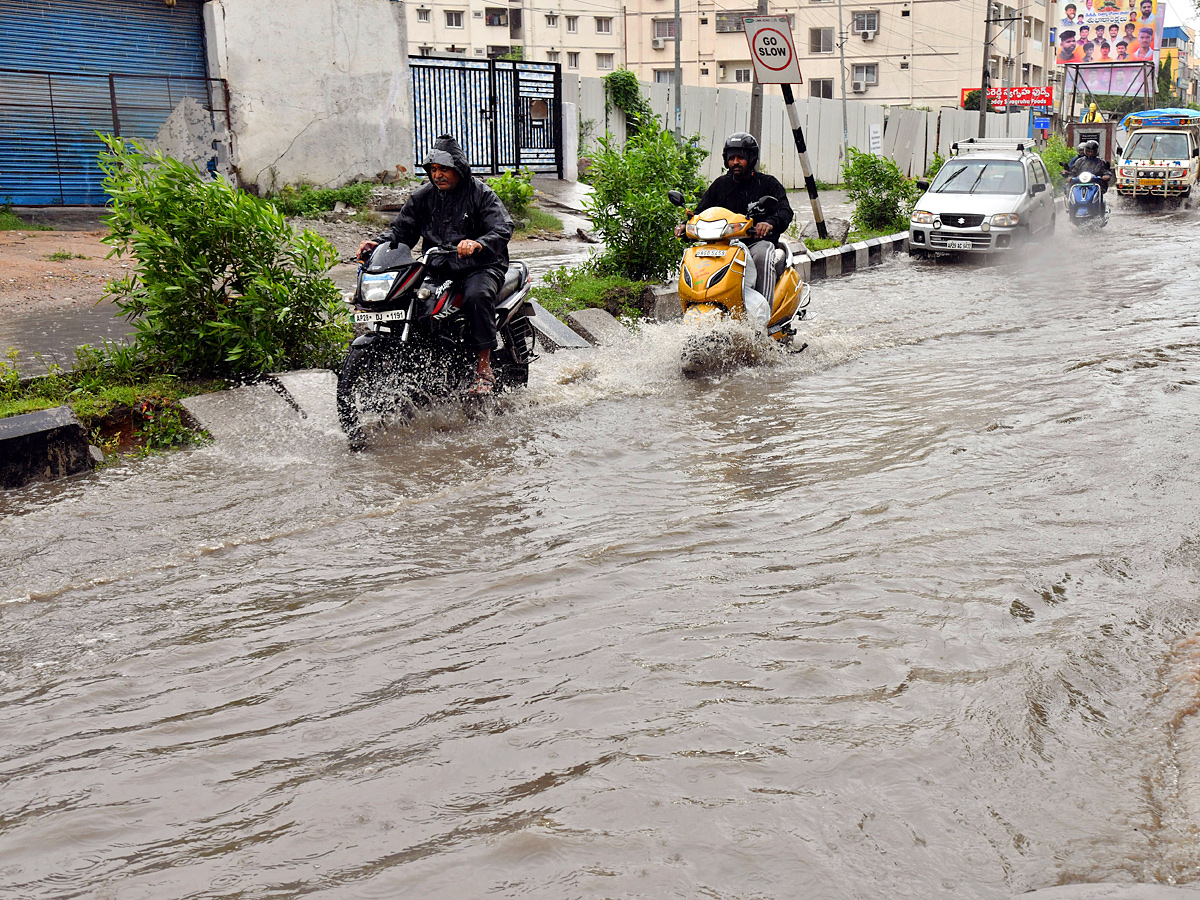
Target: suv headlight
<point>920,217</point>
<point>1006,219</point>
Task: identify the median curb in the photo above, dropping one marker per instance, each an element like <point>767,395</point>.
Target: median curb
<point>817,265</point>
<point>42,446</point>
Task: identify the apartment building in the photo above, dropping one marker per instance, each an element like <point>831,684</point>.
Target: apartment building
<point>897,52</point>
<point>1178,49</point>
<point>585,38</point>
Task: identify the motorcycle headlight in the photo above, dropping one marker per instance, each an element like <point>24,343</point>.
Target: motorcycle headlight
<point>711,231</point>
<point>920,217</point>
<point>1006,219</point>
<point>375,288</point>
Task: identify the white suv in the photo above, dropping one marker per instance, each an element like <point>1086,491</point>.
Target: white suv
<point>989,196</point>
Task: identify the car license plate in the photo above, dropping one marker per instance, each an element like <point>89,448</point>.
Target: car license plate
<point>959,245</point>
<point>1150,182</point>
<point>370,318</point>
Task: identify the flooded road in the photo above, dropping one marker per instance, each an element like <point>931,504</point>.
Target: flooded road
<point>911,614</point>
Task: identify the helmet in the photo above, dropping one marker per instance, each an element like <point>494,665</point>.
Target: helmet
<point>1093,146</point>
<point>744,145</point>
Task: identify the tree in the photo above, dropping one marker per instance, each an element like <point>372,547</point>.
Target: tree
<point>971,101</point>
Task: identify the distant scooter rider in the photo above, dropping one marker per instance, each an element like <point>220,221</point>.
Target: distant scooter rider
<point>736,191</point>
<point>457,210</point>
<point>1089,161</point>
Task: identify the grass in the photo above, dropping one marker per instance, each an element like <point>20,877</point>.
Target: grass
<point>565,290</point>
<point>64,255</point>
<point>306,200</point>
<point>10,221</point>
<point>538,221</point>
<point>122,403</point>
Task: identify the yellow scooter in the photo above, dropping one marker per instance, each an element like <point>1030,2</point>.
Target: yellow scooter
<point>717,283</point>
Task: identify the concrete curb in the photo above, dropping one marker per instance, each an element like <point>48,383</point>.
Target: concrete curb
<point>817,265</point>
<point>42,446</point>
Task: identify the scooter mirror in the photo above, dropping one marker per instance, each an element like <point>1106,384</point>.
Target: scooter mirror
<point>675,197</point>
<point>762,206</point>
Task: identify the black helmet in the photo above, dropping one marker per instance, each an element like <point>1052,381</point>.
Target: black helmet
<point>745,145</point>
<point>1094,146</point>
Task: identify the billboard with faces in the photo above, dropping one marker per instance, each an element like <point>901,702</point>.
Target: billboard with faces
<point>1110,31</point>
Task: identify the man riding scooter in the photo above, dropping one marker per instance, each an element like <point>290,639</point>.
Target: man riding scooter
<point>735,192</point>
<point>1089,161</point>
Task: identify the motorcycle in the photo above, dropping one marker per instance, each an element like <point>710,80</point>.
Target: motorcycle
<point>1085,201</point>
<point>717,284</point>
<point>413,352</point>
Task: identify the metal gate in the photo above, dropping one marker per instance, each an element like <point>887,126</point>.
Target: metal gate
<point>507,115</point>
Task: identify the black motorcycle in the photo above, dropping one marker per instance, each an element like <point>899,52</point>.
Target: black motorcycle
<point>413,352</point>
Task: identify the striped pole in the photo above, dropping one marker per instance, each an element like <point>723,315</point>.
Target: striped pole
<point>809,182</point>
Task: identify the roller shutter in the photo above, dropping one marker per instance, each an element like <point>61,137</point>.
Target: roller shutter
<point>71,69</point>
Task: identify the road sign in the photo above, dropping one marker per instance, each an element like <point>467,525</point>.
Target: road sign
<point>1041,123</point>
<point>772,49</point>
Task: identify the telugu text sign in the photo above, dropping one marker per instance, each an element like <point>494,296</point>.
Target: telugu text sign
<point>772,49</point>
<point>1016,96</point>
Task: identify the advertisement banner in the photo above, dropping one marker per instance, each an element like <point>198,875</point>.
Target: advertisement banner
<point>1002,97</point>
<point>1110,31</point>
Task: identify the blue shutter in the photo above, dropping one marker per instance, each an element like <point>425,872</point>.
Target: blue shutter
<point>66,67</point>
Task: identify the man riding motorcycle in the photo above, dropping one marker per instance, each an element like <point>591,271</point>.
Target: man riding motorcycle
<point>1089,160</point>
<point>457,210</point>
<point>736,191</point>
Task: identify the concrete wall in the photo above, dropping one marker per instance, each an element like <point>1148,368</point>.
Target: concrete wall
<point>320,91</point>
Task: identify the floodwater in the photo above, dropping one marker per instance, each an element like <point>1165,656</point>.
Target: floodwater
<point>911,614</point>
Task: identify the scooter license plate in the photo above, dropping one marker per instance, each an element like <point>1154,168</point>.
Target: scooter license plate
<point>370,318</point>
<point>959,245</point>
<point>710,252</point>
<point>1150,182</point>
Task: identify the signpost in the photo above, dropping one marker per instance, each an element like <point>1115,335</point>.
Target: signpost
<point>774,54</point>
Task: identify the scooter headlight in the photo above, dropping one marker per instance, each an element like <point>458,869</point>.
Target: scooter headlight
<point>1006,219</point>
<point>711,231</point>
<point>920,217</point>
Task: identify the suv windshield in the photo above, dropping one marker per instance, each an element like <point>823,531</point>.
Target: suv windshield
<point>979,176</point>
<point>1158,146</point>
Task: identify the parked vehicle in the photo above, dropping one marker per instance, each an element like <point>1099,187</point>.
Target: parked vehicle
<point>413,351</point>
<point>1161,156</point>
<point>991,195</point>
<point>717,283</point>
<point>1085,201</point>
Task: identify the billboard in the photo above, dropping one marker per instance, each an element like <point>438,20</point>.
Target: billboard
<point>1002,97</point>
<point>1110,31</point>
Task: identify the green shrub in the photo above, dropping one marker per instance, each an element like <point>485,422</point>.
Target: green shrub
<point>1056,154</point>
<point>882,196</point>
<point>935,166</point>
<point>564,290</point>
<point>621,89</point>
<point>628,205</point>
<point>515,190</point>
<point>306,200</point>
<point>221,284</point>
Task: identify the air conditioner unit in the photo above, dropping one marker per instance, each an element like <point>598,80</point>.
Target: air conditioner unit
<point>658,43</point>
<point>868,35</point>
<point>859,87</point>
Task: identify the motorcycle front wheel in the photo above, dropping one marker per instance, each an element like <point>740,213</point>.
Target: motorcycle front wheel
<point>372,389</point>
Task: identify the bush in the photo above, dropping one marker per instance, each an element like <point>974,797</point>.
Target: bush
<point>882,196</point>
<point>935,166</point>
<point>622,91</point>
<point>515,190</point>
<point>306,200</point>
<point>221,285</point>
<point>1056,154</point>
<point>629,206</point>
<point>564,290</point>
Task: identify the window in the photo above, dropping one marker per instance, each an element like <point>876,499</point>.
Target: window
<point>572,59</point>
<point>905,13</point>
<point>821,87</point>
<point>664,28</point>
<point>422,15</point>
<point>820,40</point>
<point>604,61</point>
<point>496,16</point>
<point>1040,176</point>
<point>743,76</point>
<point>453,19</point>
<point>731,22</point>
<point>1170,42</point>
<point>552,21</point>
<point>603,25</point>
<point>866,21</point>
<point>664,76</point>
<point>868,73</point>
<point>904,65</point>
<point>572,24</point>
<point>552,56</point>
<point>497,51</point>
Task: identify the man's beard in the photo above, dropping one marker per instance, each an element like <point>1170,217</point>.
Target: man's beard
<point>737,171</point>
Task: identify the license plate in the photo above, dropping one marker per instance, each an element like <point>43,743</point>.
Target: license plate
<point>371,318</point>
<point>1150,182</point>
<point>959,245</point>
<point>710,252</point>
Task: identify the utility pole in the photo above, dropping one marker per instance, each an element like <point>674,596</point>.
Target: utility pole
<point>985,82</point>
<point>756,93</point>
<point>678,76</point>
<point>842,53</point>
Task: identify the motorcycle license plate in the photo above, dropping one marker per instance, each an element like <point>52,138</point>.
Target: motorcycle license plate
<point>370,318</point>
<point>959,245</point>
<point>1150,182</point>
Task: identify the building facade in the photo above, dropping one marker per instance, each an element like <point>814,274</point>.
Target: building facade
<point>897,52</point>
<point>585,39</point>
<point>1178,48</point>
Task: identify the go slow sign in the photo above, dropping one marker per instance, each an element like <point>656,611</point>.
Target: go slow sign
<point>772,49</point>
